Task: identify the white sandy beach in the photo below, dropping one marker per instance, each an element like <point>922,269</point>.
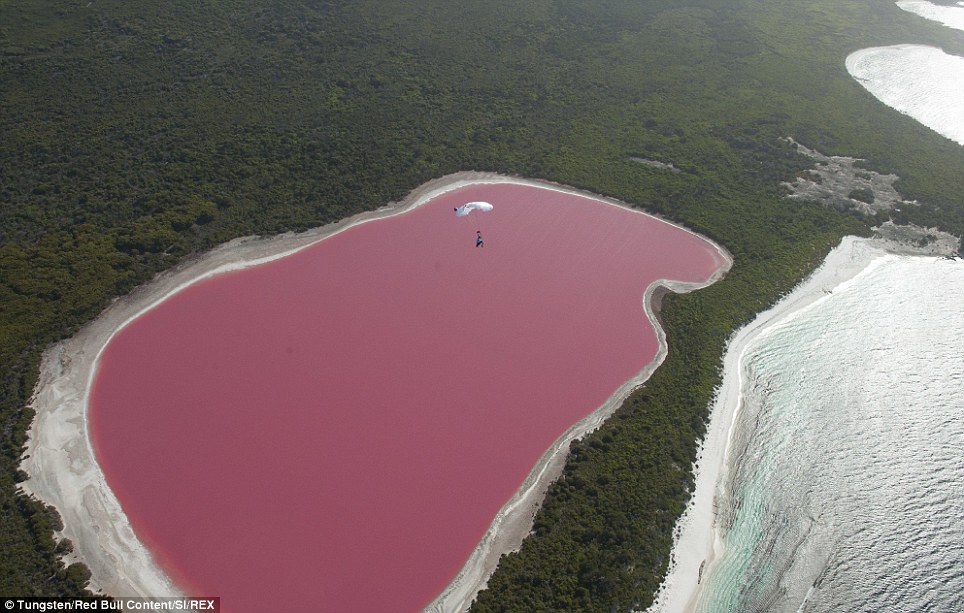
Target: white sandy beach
<point>697,540</point>
<point>63,470</point>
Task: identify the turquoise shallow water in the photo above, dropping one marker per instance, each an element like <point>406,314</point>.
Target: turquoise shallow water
<point>844,489</point>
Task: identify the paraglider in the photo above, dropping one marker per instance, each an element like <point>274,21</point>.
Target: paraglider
<point>468,207</point>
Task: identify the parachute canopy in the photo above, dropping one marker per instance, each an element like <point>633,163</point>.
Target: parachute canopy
<point>468,207</point>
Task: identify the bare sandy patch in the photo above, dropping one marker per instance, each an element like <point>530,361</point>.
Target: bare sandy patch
<point>838,181</point>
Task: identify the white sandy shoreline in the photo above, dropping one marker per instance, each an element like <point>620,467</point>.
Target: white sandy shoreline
<point>697,542</point>
<point>63,470</point>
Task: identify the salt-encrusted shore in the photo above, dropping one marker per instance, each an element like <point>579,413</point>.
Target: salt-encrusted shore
<point>697,542</point>
<point>63,470</point>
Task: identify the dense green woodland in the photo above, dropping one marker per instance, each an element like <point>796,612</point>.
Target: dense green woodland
<point>135,134</point>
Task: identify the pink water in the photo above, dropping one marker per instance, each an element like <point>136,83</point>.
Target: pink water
<point>337,429</point>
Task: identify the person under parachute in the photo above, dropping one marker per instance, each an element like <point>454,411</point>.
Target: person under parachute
<point>468,207</point>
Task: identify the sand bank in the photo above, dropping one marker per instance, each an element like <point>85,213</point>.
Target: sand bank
<point>697,540</point>
<point>62,465</point>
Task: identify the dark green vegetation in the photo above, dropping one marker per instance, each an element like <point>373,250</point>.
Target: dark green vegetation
<point>862,194</point>
<point>136,134</point>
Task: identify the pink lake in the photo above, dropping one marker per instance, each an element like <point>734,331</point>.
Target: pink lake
<point>336,430</point>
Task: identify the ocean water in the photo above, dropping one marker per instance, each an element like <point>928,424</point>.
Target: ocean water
<point>923,82</point>
<point>920,81</point>
<point>951,16</point>
<point>844,488</point>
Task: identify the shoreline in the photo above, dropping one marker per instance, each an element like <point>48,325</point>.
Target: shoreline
<point>62,466</point>
<point>697,545</point>
<point>925,85</point>
<point>513,522</point>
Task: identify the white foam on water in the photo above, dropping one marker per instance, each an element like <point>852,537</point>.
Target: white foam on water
<point>846,480</point>
<point>922,82</point>
<point>950,16</point>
